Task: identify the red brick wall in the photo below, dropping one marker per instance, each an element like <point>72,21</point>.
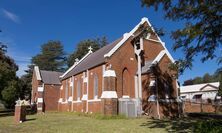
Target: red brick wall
<point>51,97</point>
<point>35,84</point>
<point>151,49</point>
<point>124,58</point>
<point>92,72</point>
<point>94,107</point>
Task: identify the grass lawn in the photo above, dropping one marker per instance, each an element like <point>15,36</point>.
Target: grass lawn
<point>70,122</point>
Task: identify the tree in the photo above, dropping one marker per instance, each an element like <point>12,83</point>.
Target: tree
<point>26,81</point>
<point>202,31</point>
<point>52,57</point>
<point>10,89</point>
<point>8,68</point>
<point>10,93</point>
<point>82,48</point>
<point>207,78</point>
<point>188,82</point>
<point>220,77</point>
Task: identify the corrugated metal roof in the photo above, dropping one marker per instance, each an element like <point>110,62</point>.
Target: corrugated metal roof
<point>50,77</point>
<point>146,67</point>
<point>92,60</point>
<point>197,87</point>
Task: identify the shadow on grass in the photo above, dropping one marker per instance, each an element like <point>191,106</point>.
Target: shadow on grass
<point>6,114</point>
<point>174,125</point>
<point>31,119</point>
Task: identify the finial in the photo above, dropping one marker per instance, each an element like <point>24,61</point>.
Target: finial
<point>90,49</point>
<point>76,60</point>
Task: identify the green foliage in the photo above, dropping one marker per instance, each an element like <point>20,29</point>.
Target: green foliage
<point>52,57</point>
<point>207,78</point>
<point>10,93</point>
<point>82,48</point>
<point>26,80</point>
<point>220,87</point>
<point>208,126</point>
<point>8,79</point>
<point>203,29</point>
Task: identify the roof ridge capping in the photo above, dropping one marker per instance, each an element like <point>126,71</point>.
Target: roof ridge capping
<point>76,63</point>
<point>161,55</point>
<point>37,73</point>
<point>126,36</point>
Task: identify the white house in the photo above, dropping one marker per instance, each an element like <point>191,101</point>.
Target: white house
<point>200,91</point>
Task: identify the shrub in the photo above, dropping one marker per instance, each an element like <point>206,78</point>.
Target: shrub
<point>208,126</point>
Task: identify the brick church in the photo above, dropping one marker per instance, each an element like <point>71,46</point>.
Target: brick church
<point>130,76</point>
<point>45,89</point>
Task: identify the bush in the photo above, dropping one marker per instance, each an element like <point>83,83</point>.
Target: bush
<point>208,126</point>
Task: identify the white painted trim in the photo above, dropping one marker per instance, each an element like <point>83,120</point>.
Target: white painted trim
<point>161,55</point>
<point>71,84</point>
<point>37,73</point>
<point>84,97</point>
<point>152,83</point>
<point>87,89</point>
<point>85,80</point>
<point>40,89</point>
<point>136,86</point>
<point>94,100</point>
<point>78,101</point>
<point>126,36</point>
<point>125,96</point>
<point>40,100</point>
<point>64,102</point>
<point>167,52</point>
<point>149,39</point>
<point>76,63</point>
<point>70,99</point>
<point>103,71</point>
<point>109,73</point>
<point>60,100</point>
<point>109,94</point>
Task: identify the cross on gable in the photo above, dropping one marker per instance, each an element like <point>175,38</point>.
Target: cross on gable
<point>90,49</point>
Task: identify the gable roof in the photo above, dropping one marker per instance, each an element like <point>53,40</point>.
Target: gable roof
<point>197,87</point>
<point>131,33</point>
<point>98,57</point>
<point>92,60</point>
<point>50,77</point>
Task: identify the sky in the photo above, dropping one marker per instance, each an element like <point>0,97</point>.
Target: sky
<point>27,24</point>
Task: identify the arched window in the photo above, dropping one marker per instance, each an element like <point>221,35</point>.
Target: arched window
<point>126,84</point>
<point>95,86</point>
<point>78,89</point>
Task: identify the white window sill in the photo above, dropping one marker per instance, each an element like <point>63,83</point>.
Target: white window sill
<point>94,100</point>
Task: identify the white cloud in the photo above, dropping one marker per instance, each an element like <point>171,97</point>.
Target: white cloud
<point>13,17</point>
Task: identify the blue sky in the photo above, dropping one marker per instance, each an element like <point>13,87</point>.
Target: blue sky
<point>27,24</point>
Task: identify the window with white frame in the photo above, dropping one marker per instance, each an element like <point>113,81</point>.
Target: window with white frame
<point>95,86</point>
<point>72,86</point>
<point>78,89</point>
<point>66,90</point>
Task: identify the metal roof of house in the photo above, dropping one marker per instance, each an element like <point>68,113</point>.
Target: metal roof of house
<point>92,60</point>
<point>147,66</point>
<point>50,77</point>
<point>197,87</point>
